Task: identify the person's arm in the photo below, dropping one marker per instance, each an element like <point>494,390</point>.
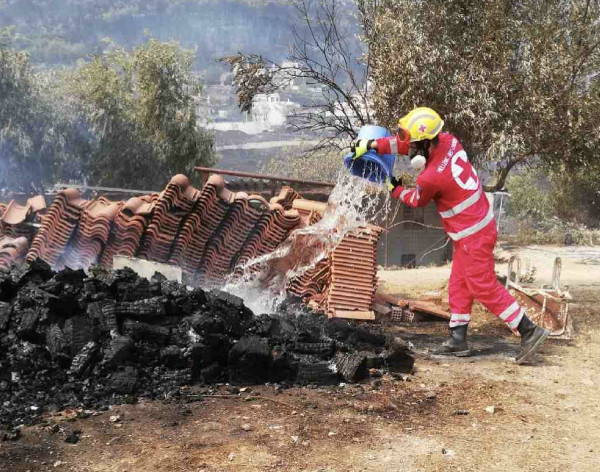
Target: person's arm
<point>415,197</point>
<point>392,145</point>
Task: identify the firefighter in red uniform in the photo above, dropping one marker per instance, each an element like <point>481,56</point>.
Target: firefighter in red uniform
<point>448,179</point>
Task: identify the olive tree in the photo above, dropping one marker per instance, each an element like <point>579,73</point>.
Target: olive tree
<point>517,82</point>
<point>38,142</point>
<point>141,111</point>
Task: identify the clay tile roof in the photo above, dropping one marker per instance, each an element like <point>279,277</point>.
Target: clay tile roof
<point>180,180</point>
<point>12,250</point>
<point>15,214</point>
<point>217,181</point>
<point>309,206</point>
<point>211,233</point>
<point>37,203</point>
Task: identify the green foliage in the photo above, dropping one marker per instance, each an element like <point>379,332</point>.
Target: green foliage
<point>575,196</point>
<point>530,195</point>
<point>555,207</point>
<point>555,232</point>
<point>140,107</point>
<point>38,143</point>
<point>121,119</point>
<point>516,81</point>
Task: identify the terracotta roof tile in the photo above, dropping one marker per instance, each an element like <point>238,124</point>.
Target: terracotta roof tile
<point>37,203</point>
<point>12,250</point>
<point>286,198</point>
<point>91,235</point>
<point>354,271</point>
<point>170,211</point>
<point>57,226</point>
<point>15,214</point>
<point>209,233</point>
<point>128,227</point>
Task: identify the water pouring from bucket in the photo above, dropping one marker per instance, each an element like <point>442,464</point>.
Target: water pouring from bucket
<point>349,207</point>
<point>371,166</point>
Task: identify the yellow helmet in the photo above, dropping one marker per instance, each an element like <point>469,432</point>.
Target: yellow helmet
<point>422,123</point>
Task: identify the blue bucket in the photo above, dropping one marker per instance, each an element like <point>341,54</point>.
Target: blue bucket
<point>370,165</point>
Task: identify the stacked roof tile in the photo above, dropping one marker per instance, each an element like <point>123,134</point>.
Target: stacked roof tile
<point>92,234</point>
<point>202,223</point>
<point>223,248</point>
<point>286,197</point>
<point>310,211</point>
<point>271,229</point>
<point>129,225</point>
<point>12,250</point>
<point>343,283</point>
<point>58,226</point>
<point>210,233</point>
<point>15,218</point>
<point>354,271</point>
<point>314,281</point>
<point>172,207</point>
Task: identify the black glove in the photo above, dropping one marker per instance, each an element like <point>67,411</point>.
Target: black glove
<point>393,182</point>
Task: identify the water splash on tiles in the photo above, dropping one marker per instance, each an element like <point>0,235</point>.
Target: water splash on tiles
<point>354,202</point>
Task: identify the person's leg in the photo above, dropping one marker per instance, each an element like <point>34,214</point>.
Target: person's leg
<point>483,284</point>
<point>461,303</point>
<point>485,288</point>
<point>459,294</point>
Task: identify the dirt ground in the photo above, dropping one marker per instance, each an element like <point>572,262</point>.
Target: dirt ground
<point>474,414</point>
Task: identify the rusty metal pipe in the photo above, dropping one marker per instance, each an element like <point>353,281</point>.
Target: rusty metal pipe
<point>252,175</point>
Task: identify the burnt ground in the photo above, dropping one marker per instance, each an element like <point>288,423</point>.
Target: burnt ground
<point>545,417</point>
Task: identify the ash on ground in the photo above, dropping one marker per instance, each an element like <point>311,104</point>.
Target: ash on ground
<point>72,340</point>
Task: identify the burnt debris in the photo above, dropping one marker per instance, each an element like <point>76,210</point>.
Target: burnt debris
<point>68,339</point>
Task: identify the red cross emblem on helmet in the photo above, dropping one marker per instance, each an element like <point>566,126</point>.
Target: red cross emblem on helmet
<point>422,128</point>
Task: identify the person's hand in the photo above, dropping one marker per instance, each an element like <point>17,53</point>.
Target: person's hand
<point>392,182</point>
<point>360,147</point>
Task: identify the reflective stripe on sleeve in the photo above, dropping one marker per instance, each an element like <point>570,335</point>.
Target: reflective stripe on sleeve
<point>404,193</point>
<point>472,200</point>
<point>394,146</point>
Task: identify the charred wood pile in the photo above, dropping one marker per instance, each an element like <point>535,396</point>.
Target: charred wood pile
<point>71,339</point>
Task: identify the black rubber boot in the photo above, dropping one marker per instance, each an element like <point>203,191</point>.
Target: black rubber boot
<point>457,344</point>
<point>532,337</point>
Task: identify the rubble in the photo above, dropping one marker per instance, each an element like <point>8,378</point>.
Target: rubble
<point>17,221</point>
<point>398,309</point>
<point>210,234</point>
<point>68,339</point>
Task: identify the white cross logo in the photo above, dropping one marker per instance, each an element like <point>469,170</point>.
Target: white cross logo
<point>470,182</point>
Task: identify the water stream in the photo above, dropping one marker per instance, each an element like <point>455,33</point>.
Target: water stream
<point>353,203</point>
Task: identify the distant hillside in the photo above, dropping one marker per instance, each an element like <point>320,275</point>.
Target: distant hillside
<point>62,31</point>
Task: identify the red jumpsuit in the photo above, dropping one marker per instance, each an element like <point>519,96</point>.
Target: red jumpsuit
<point>452,183</point>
